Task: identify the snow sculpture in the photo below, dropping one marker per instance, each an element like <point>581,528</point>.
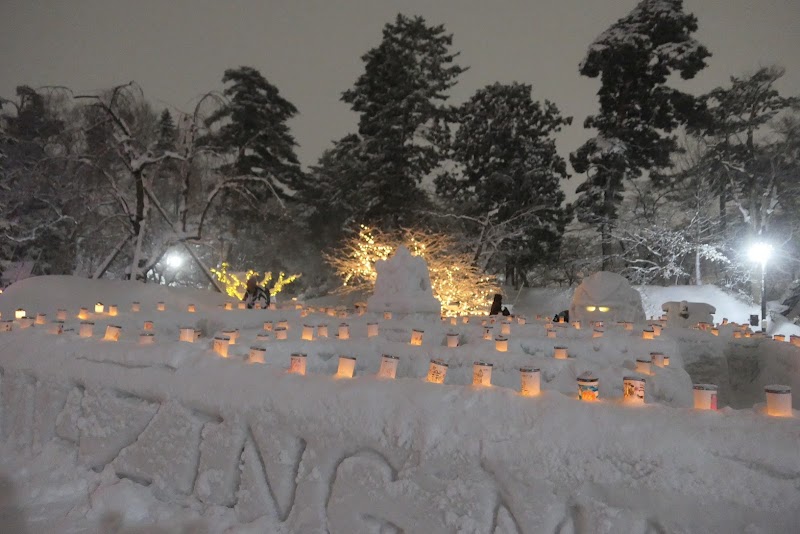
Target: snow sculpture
<point>606,297</point>
<point>403,286</point>
<point>686,314</point>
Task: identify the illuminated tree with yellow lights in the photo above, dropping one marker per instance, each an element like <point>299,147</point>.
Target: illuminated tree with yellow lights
<point>458,284</point>
<point>236,283</point>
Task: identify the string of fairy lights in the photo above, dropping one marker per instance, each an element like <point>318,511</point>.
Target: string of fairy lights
<point>236,285</point>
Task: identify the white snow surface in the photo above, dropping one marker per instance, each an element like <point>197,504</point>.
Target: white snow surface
<point>102,436</point>
<point>403,286</point>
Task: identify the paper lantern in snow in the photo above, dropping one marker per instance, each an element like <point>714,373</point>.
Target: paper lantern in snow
<point>297,364</point>
<point>633,389</point>
<point>372,329</point>
<point>191,308</point>
<point>135,307</point>
<point>748,334</point>
<point>41,318</point>
<point>220,345</point>
<point>146,338</point>
<point>779,337</point>
<point>465,319</point>
<point>347,367</point>
<point>453,321</point>
<point>521,320</point>
<point>56,327</point>
<point>551,334</point>
<point>487,334</point>
<point>113,310</point>
<point>452,341</point>
<point>666,361</point>
<point>795,340</point>
<point>257,354</point>
<point>19,313</point>
<point>98,308</point>
<point>83,313</point>
<point>548,326</point>
<point>228,306</point>
<point>232,334</point>
<point>322,330</point>
<point>484,322</point>
<point>501,344</point>
<point>283,323</point>
<point>643,366</point>
<point>86,329</point>
<point>705,396</point>
<point>241,305</point>
<point>505,329</point>
<point>715,331</point>
<point>344,331</point>
<point>416,337</point>
<point>482,374</point>
<point>437,370</point>
<point>530,381</point>
<point>387,315</point>
<point>588,387</point>
<point>560,353</point>
<point>737,334</point>
<point>148,325</point>
<point>268,326</point>
<point>597,333</point>
<point>779,400</point>
<point>577,325</point>
<point>629,327</point>
<point>657,358</point>
<point>281,334</point>
<point>647,334</point>
<point>656,329</point>
<point>112,332</point>
<point>273,306</point>
<point>160,306</point>
<point>342,314</point>
<point>61,315</point>
<point>263,337</point>
<point>7,326</point>
<point>308,333</point>
<point>388,368</point>
<point>187,334</point>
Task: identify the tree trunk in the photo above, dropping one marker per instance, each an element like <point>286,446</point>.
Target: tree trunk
<point>604,244</point>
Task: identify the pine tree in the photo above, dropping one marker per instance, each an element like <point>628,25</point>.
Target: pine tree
<point>402,123</point>
<point>167,132</point>
<point>638,110</point>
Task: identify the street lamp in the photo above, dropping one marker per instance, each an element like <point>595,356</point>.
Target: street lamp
<point>174,260</point>
<point>760,252</point>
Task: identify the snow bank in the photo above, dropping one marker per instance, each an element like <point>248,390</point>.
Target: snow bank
<point>403,286</point>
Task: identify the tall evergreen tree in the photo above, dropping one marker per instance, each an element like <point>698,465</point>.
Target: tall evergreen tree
<point>167,132</point>
<point>402,117</point>
<point>638,110</point>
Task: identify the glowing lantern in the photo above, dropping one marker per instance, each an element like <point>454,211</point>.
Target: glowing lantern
<point>135,307</point>
<point>83,313</point>
<point>551,334</point>
<point>387,315</point>
<point>273,306</point>
<point>41,318</point>
<point>548,326</point>
<point>98,308</point>
<point>160,306</point>
<point>257,306</point>
<point>560,353</point>
<point>588,387</point>
<point>281,334</point>
<point>297,364</point>
<point>465,320</point>
<point>666,361</point>
<point>779,337</point>
<point>633,389</point>
<point>705,396</point>
<point>737,334</point>
<point>715,331</point>
<point>748,334</point>
<point>563,319</point>
<point>501,344</point>
<point>342,314</point>
<point>263,337</point>
<point>308,333</point>
<point>322,330</point>
<point>283,323</point>
<point>437,372</point>
<point>113,310</point>
<point>795,340</point>
<point>146,338</point>
<point>505,329</point>
<point>452,341</point>
<point>347,367</point>
<point>220,346</point>
<point>388,368</point>
<point>268,326</point>
<point>577,325</point>
<point>257,354</point>
<point>85,329</point>
<point>61,315</point>
<point>7,326</point>
<point>191,308</point>
<point>597,333</point>
<point>187,334</point>
<point>372,329</point>
<point>643,366</point>
<point>779,400</point>
<point>241,305</point>
<point>148,325</point>
<point>56,327</point>
<point>484,322</point>
<point>530,381</point>
<point>482,374</point>
<point>598,324</point>
<point>228,306</point>
<point>521,320</point>
<point>656,329</point>
<point>453,321</point>
<point>112,332</point>
<point>416,337</point>
<point>344,331</point>
<point>647,334</point>
<point>233,335</point>
<point>487,334</point>
<point>657,358</point>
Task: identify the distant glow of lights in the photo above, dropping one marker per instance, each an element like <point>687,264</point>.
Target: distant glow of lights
<point>174,260</point>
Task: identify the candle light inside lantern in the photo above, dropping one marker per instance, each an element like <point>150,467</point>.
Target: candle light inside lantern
<point>656,329</point>
<point>560,353</point>
<point>347,367</point>
<point>465,319</point>
<point>56,327</point>
<point>737,334</point>
<point>322,330</point>
<point>344,331</point>
<point>187,334</point>
<point>577,325</point>
<point>83,313</point>
<point>191,308</point>
<point>161,306</point>
<point>220,345</point>
<point>505,329</point>
<point>633,389</point>
<point>705,396</point>
<point>748,334</point>
<point>647,333</point>
<point>283,323</point>
<point>297,364</point>
<point>388,368</point>
<point>147,338</point>
<point>715,331</point>
<point>113,310</point>
<point>657,358</point>
<point>135,307</point>
<point>61,315</point>
<point>482,374</point>
<point>41,318</point>
<point>437,370</point>
<point>779,337</point>
<point>453,321</point>
<point>521,320</point>
<point>795,340</point>
<point>588,387</point>
<point>779,400</point>
<point>98,308</point>
<point>452,340</point>
<point>308,333</point>
<point>273,306</point>
<point>232,334</point>
<point>281,334</point>
<point>228,306</point>
<point>416,337</point>
<point>112,332</point>
<point>268,326</point>
<point>597,333</point>
<point>19,313</point>
<point>643,366</point>
<point>257,354</point>
<point>241,305</point>
<point>86,329</point>
<point>501,344</point>
<point>372,329</point>
<point>148,325</point>
<point>387,315</point>
<point>530,381</point>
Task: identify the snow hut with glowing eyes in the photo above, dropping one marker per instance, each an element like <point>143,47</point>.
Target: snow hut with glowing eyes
<point>606,297</point>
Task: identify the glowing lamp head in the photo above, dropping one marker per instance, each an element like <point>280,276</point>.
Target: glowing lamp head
<point>174,260</point>
<point>760,252</point>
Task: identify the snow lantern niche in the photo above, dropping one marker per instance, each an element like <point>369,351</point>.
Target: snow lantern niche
<point>606,297</point>
<point>685,314</point>
<point>403,286</point>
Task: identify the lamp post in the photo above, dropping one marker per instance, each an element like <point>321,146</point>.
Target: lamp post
<point>760,252</point>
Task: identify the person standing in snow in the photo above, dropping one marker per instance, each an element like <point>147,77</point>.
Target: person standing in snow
<point>497,306</point>
<point>255,293</point>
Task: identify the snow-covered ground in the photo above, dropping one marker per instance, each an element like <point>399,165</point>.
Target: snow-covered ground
<point>102,436</point>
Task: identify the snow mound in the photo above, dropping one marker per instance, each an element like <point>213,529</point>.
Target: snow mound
<point>606,297</point>
<point>403,286</point>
